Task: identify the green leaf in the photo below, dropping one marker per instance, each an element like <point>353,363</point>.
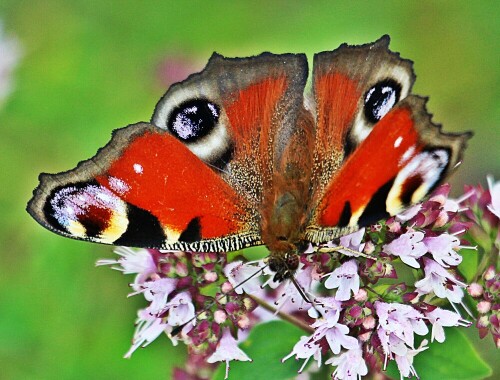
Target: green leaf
<point>468,266</point>
<point>455,359</point>
<point>266,345</point>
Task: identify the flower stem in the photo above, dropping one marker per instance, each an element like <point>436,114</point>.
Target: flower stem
<point>286,317</point>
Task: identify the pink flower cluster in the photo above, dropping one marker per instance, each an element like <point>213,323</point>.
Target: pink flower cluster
<point>345,295</point>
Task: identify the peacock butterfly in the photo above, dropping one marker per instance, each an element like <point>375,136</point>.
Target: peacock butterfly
<point>237,156</point>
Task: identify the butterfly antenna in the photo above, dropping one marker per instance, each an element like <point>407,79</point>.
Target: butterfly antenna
<point>178,329</point>
<point>300,290</point>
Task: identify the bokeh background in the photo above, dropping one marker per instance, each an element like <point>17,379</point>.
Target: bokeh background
<point>88,67</point>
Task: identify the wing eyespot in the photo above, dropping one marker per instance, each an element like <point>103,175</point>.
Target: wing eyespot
<point>193,119</point>
<point>380,99</point>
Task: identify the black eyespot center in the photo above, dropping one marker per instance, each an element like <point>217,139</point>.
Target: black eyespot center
<point>380,98</point>
<point>193,119</point>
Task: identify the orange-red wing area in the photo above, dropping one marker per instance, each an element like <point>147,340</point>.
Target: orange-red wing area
<point>373,164</point>
<point>337,97</point>
<point>159,174</point>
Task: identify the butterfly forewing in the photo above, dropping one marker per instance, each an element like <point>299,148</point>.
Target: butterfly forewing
<point>195,180</point>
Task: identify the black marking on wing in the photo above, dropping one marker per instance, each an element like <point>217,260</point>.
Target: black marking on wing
<point>345,217</point>
<point>376,208</point>
<point>143,230</point>
<point>192,232</point>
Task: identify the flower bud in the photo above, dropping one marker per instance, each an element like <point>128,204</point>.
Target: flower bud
<point>361,295</point>
<point>243,322</point>
<point>489,274</point>
<point>220,316</point>
<point>483,307</point>
<point>475,290</point>
<point>369,323</point>
<point>210,276</point>
<point>226,287</point>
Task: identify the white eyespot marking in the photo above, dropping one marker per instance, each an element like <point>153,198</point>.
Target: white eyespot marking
<point>90,212</point>
<point>213,109</point>
<point>184,126</point>
<point>416,178</point>
<point>389,99</point>
<point>398,142</point>
<point>212,145</point>
<point>118,185</point>
<point>138,168</point>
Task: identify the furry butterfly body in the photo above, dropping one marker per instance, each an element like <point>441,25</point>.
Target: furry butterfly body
<point>237,156</point>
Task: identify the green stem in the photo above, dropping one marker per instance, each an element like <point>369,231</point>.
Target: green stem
<point>286,317</point>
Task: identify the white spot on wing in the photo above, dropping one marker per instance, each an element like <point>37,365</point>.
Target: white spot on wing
<point>138,168</point>
<point>398,142</point>
<point>118,185</point>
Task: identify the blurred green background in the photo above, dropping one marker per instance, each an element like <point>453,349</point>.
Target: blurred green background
<point>89,67</point>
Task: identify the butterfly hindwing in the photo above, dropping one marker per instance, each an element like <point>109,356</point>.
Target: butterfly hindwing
<point>403,158</point>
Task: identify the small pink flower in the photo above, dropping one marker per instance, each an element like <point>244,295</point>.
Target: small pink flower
<point>441,282</point>
<point>439,318</point>
<point>345,278</point>
<point>304,279</point>
<point>227,350</point>
<point>369,322</point>
<point>244,277</point>
<point>401,320</point>
<point>353,242</point>
<point>361,295</point>
<point>408,247</point>
<point>326,307</point>
<point>148,329</point>
<point>157,293</point>
<point>444,249</point>
<point>350,365</point>
<point>327,326</point>
<point>336,335</point>
<point>132,261</point>
<point>210,276</point>
<point>243,322</point>
<point>405,362</point>
<point>180,310</point>
<point>305,349</point>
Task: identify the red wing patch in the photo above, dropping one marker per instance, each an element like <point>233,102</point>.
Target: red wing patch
<point>376,161</point>
<point>159,174</point>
